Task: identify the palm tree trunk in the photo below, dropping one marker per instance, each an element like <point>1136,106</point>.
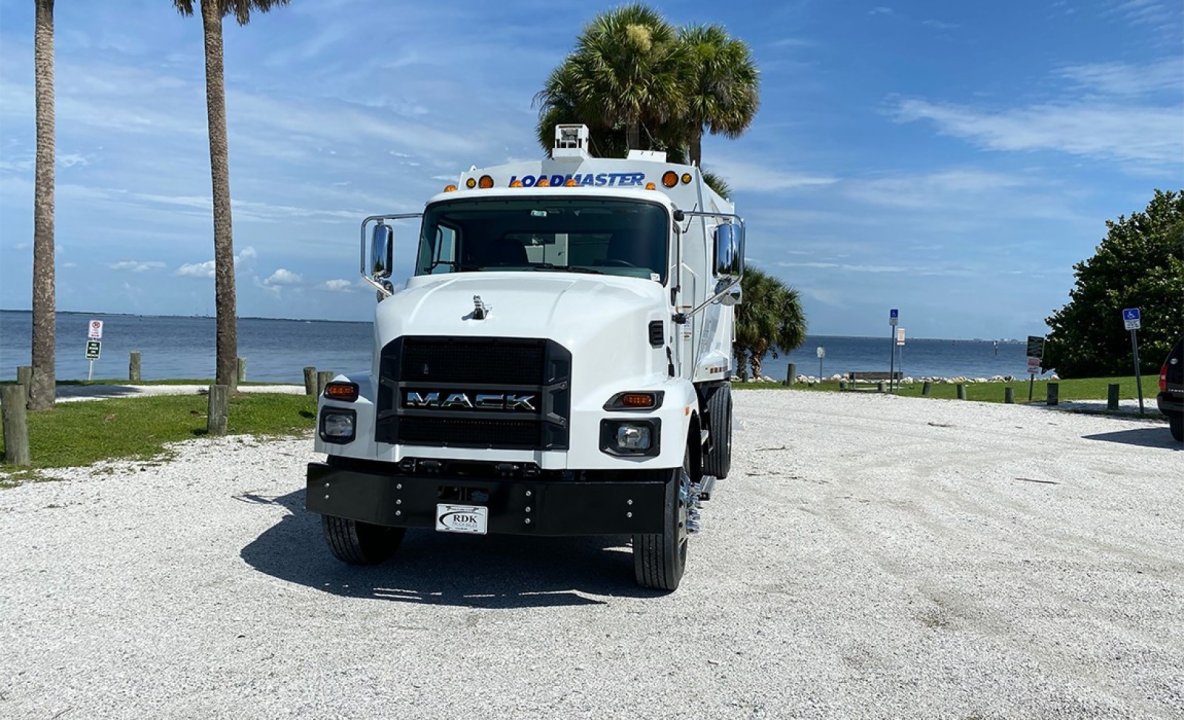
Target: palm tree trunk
<point>43,391</point>
<point>633,135</point>
<point>226,345</point>
<point>696,143</point>
<point>757,360</point>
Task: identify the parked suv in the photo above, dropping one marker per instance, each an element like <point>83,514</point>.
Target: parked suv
<point>1171,389</point>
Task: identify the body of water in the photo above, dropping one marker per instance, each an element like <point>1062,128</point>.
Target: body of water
<point>278,350</point>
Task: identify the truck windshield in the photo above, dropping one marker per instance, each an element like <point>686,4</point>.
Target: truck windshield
<point>585,235</point>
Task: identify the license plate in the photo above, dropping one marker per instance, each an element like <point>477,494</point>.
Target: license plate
<point>472,519</point>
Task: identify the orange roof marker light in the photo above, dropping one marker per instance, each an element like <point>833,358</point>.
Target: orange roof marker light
<point>651,186</point>
<point>543,182</point>
<point>669,178</point>
<point>471,183</point>
<point>449,188</point>
<point>516,183</point>
<point>571,182</point>
<point>486,182</point>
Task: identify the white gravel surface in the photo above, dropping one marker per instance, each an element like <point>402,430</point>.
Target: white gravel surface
<point>869,557</point>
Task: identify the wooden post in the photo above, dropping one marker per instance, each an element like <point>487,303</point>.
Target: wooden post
<point>133,366</point>
<point>219,407</point>
<point>242,369</point>
<point>926,388</point>
<point>1054,393</point>
<point>24,378</point>
<point>16,427</point>
<point>1009,395</point>
<point>1112,396</point>
<point>323,378</point>
<point>310,380</point>
<point>961,388</point>
<point>791,374</point>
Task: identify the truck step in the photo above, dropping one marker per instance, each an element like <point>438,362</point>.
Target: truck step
<point>706,486</point>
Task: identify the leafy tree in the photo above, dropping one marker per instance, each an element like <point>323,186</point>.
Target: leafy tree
<point>723,89</point>
<point>44,388</point>
<point>1139,264</point>
<point>770,318</point>
<point>626,70</point>
<point>212,12</point>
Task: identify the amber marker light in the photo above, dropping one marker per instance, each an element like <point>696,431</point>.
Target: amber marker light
<point>651,186</point>
<point>486,182</point>
<point>471,183</point>
<point>449,188</point>
<point>516,183</point>
<point>686,178</point>
<point>571,182</point>
<point>543,182</point>
<point>670,178</point>
<point>344,391</point>
<point>637,400</point>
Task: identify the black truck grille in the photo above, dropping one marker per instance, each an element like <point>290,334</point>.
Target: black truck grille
<point>511,393</point>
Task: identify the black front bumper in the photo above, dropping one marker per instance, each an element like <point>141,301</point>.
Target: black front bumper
<point>629,503</point>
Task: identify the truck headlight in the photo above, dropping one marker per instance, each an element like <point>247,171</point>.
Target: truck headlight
<point>338,425</point>
<point>630,437</point>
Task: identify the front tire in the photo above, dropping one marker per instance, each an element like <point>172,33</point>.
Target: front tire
<point>1176,423</point>
<point>359,543</point>
<point>718,460</point>
<point>659,559</point>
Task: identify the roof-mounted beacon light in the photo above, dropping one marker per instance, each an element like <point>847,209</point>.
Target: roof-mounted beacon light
<point>571,141</point>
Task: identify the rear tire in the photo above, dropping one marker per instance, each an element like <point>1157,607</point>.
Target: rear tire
<point>718,460</point>
<point>1176,423</point>
<point>359,543</point>
<point>659,559</point>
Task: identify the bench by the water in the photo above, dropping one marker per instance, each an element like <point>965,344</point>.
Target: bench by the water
<point>873,376</point>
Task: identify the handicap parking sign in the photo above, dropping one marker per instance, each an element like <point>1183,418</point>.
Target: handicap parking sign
<point>1131,318</point>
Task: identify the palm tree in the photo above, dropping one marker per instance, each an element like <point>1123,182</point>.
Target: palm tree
<point>212,12</point>
<point>626,73</point>
<point>723,86</point>
<point>43,391</point>
<point>769,319</point>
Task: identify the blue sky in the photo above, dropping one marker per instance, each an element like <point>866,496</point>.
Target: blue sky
<point>950,159</point>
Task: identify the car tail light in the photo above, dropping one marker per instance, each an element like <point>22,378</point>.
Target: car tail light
<point>1163,377</point>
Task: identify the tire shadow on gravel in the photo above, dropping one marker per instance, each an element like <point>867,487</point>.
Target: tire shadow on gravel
<point>495,571</point>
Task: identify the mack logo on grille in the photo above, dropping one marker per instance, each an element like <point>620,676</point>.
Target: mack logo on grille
<point>511,402</point>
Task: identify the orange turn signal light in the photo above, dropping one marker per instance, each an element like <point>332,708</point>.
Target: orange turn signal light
<point>345,391</point>
<point>669,178</point>
<point>637,400</point>
<point>486,182</point>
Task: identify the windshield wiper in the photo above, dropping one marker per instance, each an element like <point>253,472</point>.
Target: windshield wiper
<point>567,268</point>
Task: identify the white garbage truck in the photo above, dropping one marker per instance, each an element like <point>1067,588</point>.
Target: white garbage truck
<point>559,362</point>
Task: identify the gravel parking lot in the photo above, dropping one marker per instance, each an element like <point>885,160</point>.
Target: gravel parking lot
<point>869,557</point>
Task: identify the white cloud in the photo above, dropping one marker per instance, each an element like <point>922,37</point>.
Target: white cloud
<point>69,160</point>
<point>283,277</point>
<point>751,177</point>
<point>1117,131</point>
<point>136,266</point>
<point>197,270</point>
<point>337,285</point>
<point>1122,79</point>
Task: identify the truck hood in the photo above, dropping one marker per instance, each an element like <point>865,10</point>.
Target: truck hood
<point>561,306</point>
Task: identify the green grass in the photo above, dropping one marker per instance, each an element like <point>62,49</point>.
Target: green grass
<point>1076,389</point>
<point>82,433</point>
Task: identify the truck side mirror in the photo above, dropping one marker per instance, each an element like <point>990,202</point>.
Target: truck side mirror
<point>729,251</point>
<point>382,251</point>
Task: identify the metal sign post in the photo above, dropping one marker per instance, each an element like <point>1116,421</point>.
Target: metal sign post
<point>1132,320</point>
<point>1035,360</point>
<point>900,349</point>
<point>821,354</point>
<point>893,318</point>
<point>94,333</point>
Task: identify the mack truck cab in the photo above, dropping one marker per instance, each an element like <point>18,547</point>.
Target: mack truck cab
<point>558,364</point>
